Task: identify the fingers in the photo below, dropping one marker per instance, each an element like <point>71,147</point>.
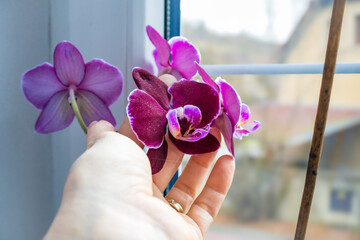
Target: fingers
<point>173,161</point>
<point>125,129</point>
<point>207,205</point>
<point>95,130</point>
<point>191,180</point>
<point>171,165</point>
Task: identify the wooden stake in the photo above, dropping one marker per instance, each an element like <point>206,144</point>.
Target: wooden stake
<point>321,116</point>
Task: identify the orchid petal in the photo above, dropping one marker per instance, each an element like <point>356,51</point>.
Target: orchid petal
<point>92,108</point>
<point>244,116</point>
<point>147,118</point>
<point>230,100</point>
<point>201,95</point>
<point>224,124</point>
<point>182,123</point>
<point>153,86</point>
<point>204,145</point>
<point>194,136</point>
<point>157,157</point>
<point>192,114</point>
<point>206,78</point>
<point>183,56</point>
<point>173,123</point>
<point>102,79</point>
<point>40,84</point>
<point>183,119</point>
<point>161,45</point>
<point>157,62</point>
<point>69,64</point>
<point>56,115</point>
<point>240,132</point>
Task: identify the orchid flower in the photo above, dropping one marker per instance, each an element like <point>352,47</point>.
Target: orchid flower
<point>175,57</point>
<point>186,111</point>
<point>70,88</point>
<point>233,114</point>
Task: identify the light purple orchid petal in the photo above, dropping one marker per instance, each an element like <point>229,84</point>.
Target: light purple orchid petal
<point>157,157</point>
<point>183,57</point>
<point>56,115</point>
<point>157,62</point>
<point>244,116</point>
<point>224,124</point>
<point>40,84</point>
<point>240,131</point>
<point>92,108</point>
<point>161,45</point>
<point>173,123</point>
<point>152,85</point>
<point>192,114</point>
<point>69,64</point>
<point>204,145</point>
<point>201,95</point>
<point>147,118</point>
<point>230,100</point>
<point>102,79</point>
<point>206,78</point>
<point>239,134</point>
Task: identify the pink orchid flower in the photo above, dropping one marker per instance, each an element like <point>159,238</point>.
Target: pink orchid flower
<point>233,114</point>
<point>175,57</point>
<point>185,110</point>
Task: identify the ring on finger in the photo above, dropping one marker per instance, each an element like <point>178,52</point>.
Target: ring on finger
<point>175,205</point>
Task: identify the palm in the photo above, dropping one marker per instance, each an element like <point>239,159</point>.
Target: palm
<point>110,193</point>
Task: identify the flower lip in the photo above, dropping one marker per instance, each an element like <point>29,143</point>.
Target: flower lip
<point>201,95</point>
<point>183,122</point>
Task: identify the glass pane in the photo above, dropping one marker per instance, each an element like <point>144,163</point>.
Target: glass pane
<point>264,199</point>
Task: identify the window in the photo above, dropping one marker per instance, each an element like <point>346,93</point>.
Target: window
<point>357,33</point>
<point>267,50</point>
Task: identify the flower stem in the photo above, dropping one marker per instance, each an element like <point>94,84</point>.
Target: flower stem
<point>76,110</point>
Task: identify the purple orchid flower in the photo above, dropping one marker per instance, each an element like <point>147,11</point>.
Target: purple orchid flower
<point>92,87</point>
<point>175,57</point>
<point>186,109</point>
<point>233,115</point>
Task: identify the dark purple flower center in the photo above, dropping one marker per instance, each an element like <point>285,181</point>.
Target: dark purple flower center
<point>186,127</point>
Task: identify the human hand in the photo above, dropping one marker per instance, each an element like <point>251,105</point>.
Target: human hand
<point>111,194</point>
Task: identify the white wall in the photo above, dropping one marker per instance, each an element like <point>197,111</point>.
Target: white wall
<point>33,167</point>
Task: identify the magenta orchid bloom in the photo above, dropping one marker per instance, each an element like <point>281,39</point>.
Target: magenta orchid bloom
<point>186,109</point>
<point>233,115</point>
<point>175,57</point>
<point>92,87</point>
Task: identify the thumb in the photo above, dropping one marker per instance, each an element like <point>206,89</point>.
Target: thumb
<point>96,130</point>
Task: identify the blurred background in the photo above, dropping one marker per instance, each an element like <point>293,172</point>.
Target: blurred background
<point>264,199</point>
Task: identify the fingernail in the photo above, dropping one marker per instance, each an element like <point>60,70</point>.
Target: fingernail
<point>230,157</point>
<point>92,124</point>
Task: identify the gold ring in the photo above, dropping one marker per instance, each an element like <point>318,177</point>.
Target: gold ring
<point>175,205</point>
